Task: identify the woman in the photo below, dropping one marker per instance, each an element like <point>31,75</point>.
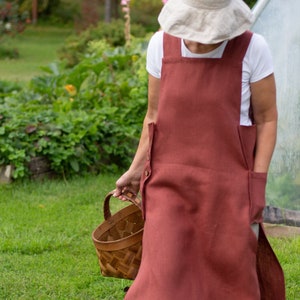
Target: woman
<point>203,157</point>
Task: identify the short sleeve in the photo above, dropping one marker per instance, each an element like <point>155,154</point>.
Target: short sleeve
<point>155,54</point>
<point>259,58</point>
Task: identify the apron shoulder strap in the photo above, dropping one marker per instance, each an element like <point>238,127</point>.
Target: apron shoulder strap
<point>237,47</point>
<point>172,46</point>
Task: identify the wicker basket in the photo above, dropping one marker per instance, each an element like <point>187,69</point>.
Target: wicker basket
<point>118,241</point>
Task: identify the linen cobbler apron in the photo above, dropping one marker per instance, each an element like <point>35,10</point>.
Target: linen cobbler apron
<point>200,195</point>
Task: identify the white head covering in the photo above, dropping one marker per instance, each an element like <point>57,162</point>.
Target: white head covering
<point>205,21</point>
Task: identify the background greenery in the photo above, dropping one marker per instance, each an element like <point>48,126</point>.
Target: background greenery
<point>37,47</point>
<point>46,250</point>
<point>95,127</point>
<point>92,127</point>
<point>83,112</point>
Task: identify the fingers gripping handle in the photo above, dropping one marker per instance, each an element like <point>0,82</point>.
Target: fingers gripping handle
<point>129,196</point>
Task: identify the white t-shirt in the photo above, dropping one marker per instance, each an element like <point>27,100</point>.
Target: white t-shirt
<point>257,64</point>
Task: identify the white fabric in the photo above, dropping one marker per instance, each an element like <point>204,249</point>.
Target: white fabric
<point>255,229</point>
<point>205,21</point>
<point>257,64</point>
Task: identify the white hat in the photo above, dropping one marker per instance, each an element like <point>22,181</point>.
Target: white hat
<point>205,21</point>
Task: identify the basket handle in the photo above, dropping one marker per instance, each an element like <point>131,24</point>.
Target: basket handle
<point>106,207</point>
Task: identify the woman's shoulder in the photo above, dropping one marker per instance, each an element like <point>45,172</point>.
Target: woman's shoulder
<point>157,38</point>
<point>258,58</point>
<point>155,54</point>
<point>258,43</point>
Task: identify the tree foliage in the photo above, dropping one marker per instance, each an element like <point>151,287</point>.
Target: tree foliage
<point>26,5</point>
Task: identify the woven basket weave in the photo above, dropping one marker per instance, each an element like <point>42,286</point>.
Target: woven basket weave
<point>118,241</point>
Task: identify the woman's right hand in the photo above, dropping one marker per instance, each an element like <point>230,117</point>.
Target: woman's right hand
<point>127,186</point>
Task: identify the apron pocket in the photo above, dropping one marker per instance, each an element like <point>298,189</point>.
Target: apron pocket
<point>257,190</point>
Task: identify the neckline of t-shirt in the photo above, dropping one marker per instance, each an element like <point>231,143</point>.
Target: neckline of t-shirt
<point>185,52</point>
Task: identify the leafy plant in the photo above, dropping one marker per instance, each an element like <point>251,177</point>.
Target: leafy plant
<point>8,87</point>
<point>112,33</point>
<point>82,119</point>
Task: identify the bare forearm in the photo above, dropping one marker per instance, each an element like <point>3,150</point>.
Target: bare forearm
<point>266,140</point>
<point>265,116</point>
<point>129,181</point>
<point>141,154</point>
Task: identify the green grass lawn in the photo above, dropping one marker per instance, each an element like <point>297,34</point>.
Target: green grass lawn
<point>37,47</point>
<point>46,251</point>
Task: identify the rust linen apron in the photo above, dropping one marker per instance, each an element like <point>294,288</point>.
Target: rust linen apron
<point>200,194</point>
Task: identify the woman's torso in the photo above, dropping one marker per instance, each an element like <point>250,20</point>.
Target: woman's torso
<point>257,64</point>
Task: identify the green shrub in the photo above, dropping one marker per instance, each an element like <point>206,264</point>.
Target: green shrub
<point>82,119</point>
<point>10,53</point>
<point>7,87</point>
<point>112,33</point>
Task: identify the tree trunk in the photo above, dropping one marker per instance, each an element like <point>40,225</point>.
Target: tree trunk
<point>34,11</point>
<point>89,13</point>
<point>115,9</point>
<point>108,9</point>
<point>111,10</point>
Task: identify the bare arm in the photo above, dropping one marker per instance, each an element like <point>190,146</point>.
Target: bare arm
<point>265,116</point>
<point>130,180</point>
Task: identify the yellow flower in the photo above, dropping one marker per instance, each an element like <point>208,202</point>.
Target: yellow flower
<point>71,89</point>
<point>134,58</point>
